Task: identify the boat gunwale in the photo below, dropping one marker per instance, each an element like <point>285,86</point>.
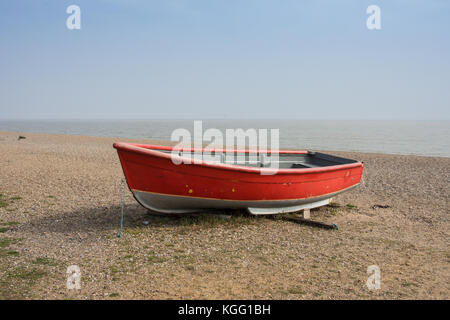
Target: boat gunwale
<point>156,151</point>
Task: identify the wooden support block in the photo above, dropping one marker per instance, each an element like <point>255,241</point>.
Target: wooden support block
<point>306,214</point>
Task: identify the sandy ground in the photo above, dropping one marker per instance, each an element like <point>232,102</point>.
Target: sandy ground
<point>60,206</point>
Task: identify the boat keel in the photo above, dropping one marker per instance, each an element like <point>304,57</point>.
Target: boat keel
<point>179,204</point>
<point>306,207</point>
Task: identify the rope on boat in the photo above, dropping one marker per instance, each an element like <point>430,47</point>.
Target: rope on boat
<point>122,195</point>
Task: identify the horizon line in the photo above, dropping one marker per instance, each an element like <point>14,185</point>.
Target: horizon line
<point>221,119</point>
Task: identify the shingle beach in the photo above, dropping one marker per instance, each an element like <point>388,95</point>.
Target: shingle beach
<point>60,206</point>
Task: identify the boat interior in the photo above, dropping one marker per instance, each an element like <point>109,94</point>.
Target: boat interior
<point>284,160</point>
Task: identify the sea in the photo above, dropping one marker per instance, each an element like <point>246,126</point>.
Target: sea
<point>426,138</point>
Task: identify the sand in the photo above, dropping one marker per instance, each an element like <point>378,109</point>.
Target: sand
<point>60,206</point>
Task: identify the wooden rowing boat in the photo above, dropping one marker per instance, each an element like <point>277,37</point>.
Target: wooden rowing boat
<point>165,179</point>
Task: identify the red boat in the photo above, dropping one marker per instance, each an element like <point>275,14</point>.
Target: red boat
<point>164,179</point>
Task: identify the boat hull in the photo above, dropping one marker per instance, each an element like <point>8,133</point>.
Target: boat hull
<point>159,184</point>
<point>181,204</point>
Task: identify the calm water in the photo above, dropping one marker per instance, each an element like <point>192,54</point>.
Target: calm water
<point>399,137</point>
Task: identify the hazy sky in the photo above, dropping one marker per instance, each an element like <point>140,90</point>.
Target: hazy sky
<point>203,59</point>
